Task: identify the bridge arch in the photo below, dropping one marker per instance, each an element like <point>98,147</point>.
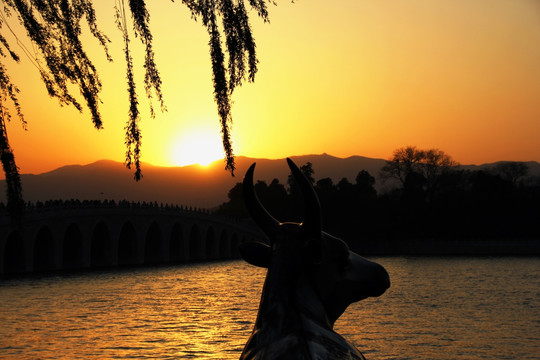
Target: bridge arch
<point>235,242</point>
<point>128,253</point>
<point>101,246</point>
<point>195,243</point>
<point>44,250</point>
<point>73,248</point>
<point>224,245</point>
<point>14,254</point>
<point>154,247</point>
<point>177,245</point>
<point>211,244</point>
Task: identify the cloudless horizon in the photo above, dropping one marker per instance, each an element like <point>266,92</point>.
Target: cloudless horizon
<point>354,78</point>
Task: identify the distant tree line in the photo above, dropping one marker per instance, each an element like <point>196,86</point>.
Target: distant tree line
<point>431,198</point>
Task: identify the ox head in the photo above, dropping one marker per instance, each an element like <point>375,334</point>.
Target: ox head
<point>336,275</point>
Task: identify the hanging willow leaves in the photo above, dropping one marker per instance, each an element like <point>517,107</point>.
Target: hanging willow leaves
<point>152,79</point>
<point>8,93</point>
<point>133,133</point>
<point>54,27</point>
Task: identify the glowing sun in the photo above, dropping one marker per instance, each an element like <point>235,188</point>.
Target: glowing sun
<point>197,147</point>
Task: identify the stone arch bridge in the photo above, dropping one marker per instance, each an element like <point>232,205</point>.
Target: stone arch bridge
<point>84,237</point>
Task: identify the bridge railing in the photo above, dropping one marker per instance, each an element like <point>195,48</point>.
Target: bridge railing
<point>74,204</point>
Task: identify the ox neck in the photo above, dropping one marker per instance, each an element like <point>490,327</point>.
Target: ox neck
<point>289,302</point>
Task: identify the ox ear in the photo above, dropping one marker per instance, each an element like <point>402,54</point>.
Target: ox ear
<point>256,253</point>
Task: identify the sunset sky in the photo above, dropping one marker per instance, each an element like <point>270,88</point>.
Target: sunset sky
<point>347,77</point>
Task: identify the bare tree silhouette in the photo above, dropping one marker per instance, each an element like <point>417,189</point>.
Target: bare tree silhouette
<point>409,162</point>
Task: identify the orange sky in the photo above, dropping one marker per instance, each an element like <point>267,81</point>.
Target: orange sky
<point>352,77</point>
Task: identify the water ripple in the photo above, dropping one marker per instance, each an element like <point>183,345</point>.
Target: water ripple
<point>436,309</point>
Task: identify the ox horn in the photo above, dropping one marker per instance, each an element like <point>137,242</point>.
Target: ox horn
<point>312,221</point>
<point>257,211</point>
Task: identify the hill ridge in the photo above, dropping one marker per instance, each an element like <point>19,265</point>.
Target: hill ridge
<point>192,185</point>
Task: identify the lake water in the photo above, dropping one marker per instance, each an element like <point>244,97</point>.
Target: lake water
<point>437,308</point>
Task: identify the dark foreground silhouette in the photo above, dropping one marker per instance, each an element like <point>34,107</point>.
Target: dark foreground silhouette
<point>493,211</point>
<point>312,278</point>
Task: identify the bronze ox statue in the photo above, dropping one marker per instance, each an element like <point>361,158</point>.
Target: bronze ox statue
<point>312,277</point>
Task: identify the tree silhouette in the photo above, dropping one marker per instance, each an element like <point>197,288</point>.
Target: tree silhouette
<point>404,161</point>
<point>417,169</point>
<point>365,184</point>
<point>55,28</point>
<point>512,171</point>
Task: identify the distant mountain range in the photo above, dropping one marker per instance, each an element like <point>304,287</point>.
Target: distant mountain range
<point>194,185</point>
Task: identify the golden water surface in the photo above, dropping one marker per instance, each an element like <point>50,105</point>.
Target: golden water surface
<point>437,308</point>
